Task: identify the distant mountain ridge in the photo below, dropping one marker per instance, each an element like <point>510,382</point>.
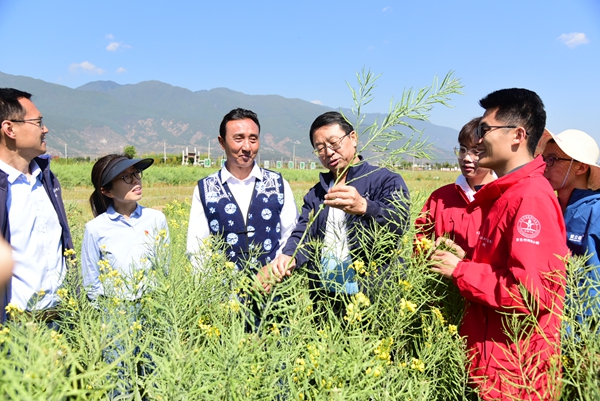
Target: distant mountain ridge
<point>104,116</point>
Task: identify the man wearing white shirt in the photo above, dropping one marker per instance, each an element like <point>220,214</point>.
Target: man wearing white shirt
<point>32,214</point>
<point>251,208</point>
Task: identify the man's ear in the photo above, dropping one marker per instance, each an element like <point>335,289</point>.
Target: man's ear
<point>520,135</point>
<point>7,129</point>
<point>582,169</point>
<point>221,142</point>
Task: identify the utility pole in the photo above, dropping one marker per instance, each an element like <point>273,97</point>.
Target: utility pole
<point>209,149</point>
<point>294,156</point>
<point>165,150</point>
<point>66,154</point>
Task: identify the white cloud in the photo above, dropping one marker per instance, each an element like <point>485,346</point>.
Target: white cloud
<point>114,46</point>
<point>573,39</point>
<point>317,102</point>
<point>86,67</point>
<point>385,9</point>
<point>121,70</point>
<point>110,36</point>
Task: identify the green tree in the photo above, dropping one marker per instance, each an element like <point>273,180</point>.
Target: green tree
<point>129,151</point>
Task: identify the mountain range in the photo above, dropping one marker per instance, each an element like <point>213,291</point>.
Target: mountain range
<point>103,116</point>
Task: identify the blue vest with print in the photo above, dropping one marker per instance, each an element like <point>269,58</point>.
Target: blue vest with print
<point>257,241</point>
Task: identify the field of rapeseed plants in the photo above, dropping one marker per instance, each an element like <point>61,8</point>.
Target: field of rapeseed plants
<point>188,339</point>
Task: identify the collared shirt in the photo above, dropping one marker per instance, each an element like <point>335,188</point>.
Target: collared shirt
<point>35,236</point>
<point>115,251</point>
<point>242,191</point>
<point>336,273</point>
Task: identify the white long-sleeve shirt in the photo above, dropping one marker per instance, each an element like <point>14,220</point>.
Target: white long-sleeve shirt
<point>241,190</point>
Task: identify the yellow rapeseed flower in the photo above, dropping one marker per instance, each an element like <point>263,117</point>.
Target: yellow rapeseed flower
<point>417,364</point>
<point>407,305</point>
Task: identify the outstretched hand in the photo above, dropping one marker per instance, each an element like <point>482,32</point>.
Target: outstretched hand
<point>445,261</point>
<point>274,272</point>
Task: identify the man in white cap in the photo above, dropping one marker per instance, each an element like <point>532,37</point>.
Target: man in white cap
<point>571,168</point>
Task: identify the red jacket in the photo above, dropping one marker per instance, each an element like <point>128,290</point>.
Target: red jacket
<point>445,213</point>
<point>521,242</point>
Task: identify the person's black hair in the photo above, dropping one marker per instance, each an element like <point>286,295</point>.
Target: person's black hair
<point>466,136</point>
<point>98,201</point>
<point>329,118</point>
<point>237,114</point>
<point>10,108</point>
<point>522,107</point>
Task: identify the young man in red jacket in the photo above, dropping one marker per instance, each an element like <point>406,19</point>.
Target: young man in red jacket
<point>515,283</point>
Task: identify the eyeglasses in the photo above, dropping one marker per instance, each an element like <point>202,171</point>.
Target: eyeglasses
<point>128,177</point>
<point>550,160</point>
<point>483,129</point>
<point>31,121</point>
<point>322,150</point>
<point>462,151</point>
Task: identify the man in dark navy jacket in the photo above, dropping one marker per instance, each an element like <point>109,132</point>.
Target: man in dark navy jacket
<point>32,214</point>
<point>358,199</point>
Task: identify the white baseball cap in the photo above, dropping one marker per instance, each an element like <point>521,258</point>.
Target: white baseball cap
<point>579,146</point>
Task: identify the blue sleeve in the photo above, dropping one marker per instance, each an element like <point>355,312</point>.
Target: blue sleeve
<point>90,256</point>
<point>293,242</point>
<point>590,285</point>
<point>390,206</point>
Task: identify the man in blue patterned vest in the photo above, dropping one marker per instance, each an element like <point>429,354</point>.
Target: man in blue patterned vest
<point>251,208</point>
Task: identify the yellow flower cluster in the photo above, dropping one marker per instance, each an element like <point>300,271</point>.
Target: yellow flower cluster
<point>62,293</point>
<point>4,334</point>
<point>136,326</point>
<point>439,315</point>
<point>383,350</point>
<point>70,257</point>
<point>299,367</point>
<point>417,364</point>
<point>452,329</point>
<point>375,371</point>
<point>209,330</point>
<point>233,305</point>
<point>354,310</point>
<point>407,306</point>
<point>13,310</point>
<point>359,267</point>
<point>108,273</point>
<point>424,245</point>
<point>407,285</point>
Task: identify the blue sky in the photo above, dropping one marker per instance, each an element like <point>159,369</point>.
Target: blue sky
<point>310,49</point>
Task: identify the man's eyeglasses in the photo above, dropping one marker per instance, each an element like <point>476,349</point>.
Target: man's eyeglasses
<point>483,129</point>
<point>462,151</point>
<point>322,150</point>
<point>550,160</point>
<point>128,177</point>
<point>35,121</point>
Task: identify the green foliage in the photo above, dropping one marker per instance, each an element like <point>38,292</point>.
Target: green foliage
<point>129,151</point>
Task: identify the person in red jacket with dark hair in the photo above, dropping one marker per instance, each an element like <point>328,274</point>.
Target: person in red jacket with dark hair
<point>515,282</point>
<point>445,211</point>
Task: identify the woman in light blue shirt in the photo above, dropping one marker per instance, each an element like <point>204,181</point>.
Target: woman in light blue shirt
<point>123,249</point>
<point>119,245</point>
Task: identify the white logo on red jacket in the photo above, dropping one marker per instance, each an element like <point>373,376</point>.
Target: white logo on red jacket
<point>528,226</point>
